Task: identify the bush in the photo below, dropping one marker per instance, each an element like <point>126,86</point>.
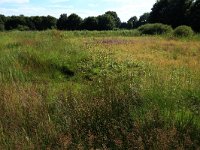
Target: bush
<point>153,29</point>
<point>183,31</point>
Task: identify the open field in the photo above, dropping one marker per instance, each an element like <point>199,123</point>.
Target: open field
<point>99,90</point>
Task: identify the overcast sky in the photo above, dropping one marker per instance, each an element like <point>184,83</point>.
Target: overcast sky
<point>84,8</point>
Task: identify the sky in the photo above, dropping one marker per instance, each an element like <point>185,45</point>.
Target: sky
<point>84,8</point>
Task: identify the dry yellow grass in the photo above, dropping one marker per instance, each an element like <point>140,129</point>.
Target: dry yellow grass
<point>155,50</point>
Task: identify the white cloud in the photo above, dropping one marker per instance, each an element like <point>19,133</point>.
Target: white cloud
<point>14,1</point>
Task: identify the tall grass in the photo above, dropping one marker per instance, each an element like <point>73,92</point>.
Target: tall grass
<point>98,90</point>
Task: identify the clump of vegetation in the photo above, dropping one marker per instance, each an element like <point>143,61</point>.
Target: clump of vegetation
<point>183,31</point>
<point>155,29</point>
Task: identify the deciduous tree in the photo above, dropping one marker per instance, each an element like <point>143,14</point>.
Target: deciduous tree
<point>106,22</point>
<point>115,17</point>
<point>74,22</point>
<point>90,23</point>
<point>62,22</point>
<point>132,22</point>
<point>195,16</point>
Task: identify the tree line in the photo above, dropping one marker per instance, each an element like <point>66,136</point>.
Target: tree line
<point>107,21</point>
<point>171,12</point>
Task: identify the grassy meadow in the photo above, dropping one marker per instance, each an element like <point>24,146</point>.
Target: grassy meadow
<point>99,90</point>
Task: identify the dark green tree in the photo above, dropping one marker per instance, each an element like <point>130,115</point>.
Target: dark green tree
<point>90,23</point>
<point>195,16</point>
<point>1,25</point>
<point>43,23</point>
<point>2,22</point>
<point>74,22</point>
<point>144,19</point>
<point>132,22</point>
<point>124,25</point>
<point>172,12</point>
<point>159,12</point>
<point>62,22</point>
<point>37,21</point>
<point>3,18</point>
<point>106,22</point>
<point>48,22</point>
<point>30,23</point>
<point>14,21</point>
<point>115,17</point>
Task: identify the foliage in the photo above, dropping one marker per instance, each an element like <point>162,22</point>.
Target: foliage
<point>106,22</point>
<point>14,21</point>
<point>3,18</point>
<point>133,22</point>
<point>22,28</point>
<point>154,29</point>
<point>49,22</point>
<point>33,23</point>
<point>143,19</point>
<point>171,12</point>
<point>183,31</point>
<point>124,25</point>
<point>115,17</point>
<point>195,16</point>
<point>62,22</point>
<point>90,23</point>
<point>1,25</point>
<point>74,22</point>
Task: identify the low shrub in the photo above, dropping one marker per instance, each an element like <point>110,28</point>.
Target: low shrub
<point>183,31</point>
<point>153,29</point>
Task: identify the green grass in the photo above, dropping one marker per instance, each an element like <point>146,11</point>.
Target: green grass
<point>99,90</point>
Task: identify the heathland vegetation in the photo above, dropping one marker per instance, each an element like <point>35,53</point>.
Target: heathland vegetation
<point>99,90</point>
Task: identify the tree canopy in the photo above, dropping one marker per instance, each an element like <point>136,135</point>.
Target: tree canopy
<point>74,22</point>
<point>195,16</point>
<point>90,23</point>
<point>133,22</point>
<point>62,22</point>
<point>171,12</point>
<point>115,17</point>
<point>106,22</point>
